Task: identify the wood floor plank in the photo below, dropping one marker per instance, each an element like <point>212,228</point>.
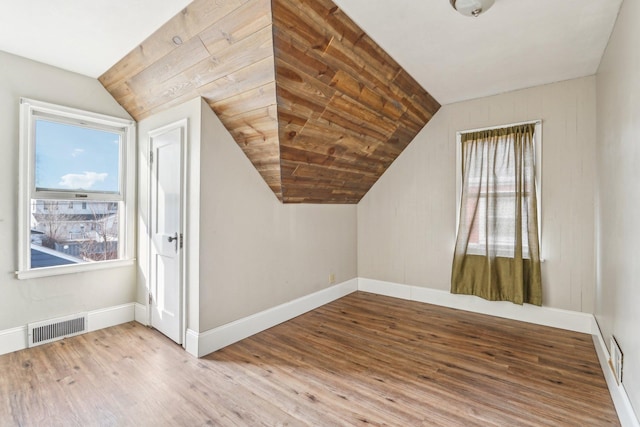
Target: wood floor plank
<point>362,360</point>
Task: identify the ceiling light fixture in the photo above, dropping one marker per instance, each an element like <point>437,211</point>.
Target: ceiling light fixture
<point>471,7</point>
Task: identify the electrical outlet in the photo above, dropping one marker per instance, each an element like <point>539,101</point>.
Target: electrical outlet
<point>332,278</point>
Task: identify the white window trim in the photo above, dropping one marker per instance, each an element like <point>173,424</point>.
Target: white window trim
<point>28,110</point>
<point>538,166</point>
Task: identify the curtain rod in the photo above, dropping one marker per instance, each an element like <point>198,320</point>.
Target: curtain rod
<point>539,121</point>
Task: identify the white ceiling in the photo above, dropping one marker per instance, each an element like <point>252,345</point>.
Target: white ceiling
<point>85,36</point>
<point>516,44</point>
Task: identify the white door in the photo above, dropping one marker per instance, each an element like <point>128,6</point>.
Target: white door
<point>166,235</point>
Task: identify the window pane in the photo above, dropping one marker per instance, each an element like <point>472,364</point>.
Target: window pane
<point>64,233</point>
<point>490,202</point>
<point>75,158</point>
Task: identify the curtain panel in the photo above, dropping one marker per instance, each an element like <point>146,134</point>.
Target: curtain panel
<point>497,250</point>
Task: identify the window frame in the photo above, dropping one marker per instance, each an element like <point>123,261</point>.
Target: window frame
<point>537,146</point>
<point>30,111</point>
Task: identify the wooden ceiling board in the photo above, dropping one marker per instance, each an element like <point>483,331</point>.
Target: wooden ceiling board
<point>249,100</point>
<point>259,129</point>
<point>239,24</point>
<point>242,53</point>
<point>185,56</point>
<point>195,80</point>
<point>324,138</point>
<point>264,117</point>
<point>374,110</point>
<point>288,16</point>
<point>255,75</point>
<point>316,105</point>
<point>296,53</point>
<point>314,145</point>
<point>297,81</point>
<point>186,24</point>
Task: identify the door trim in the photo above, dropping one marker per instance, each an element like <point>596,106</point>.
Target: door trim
<point>182,124</point>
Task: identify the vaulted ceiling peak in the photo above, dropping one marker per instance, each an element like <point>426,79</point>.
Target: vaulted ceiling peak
<point>315,104</point>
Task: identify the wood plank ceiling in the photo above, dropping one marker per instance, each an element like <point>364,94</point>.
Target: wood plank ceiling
<point>319,109</point>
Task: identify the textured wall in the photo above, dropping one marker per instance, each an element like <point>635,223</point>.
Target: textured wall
<point>255,252</point>
<point>247,252</point>
<point>618,194</point>
<point>23,301</point>
<point>406,222</point>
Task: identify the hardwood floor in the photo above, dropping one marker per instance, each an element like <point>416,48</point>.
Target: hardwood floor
<point>364,359</point>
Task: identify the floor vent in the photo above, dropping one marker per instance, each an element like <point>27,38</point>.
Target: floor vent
<point>615,360</point>
<point>55,329</point>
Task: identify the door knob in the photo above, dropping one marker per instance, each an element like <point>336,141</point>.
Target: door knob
<point>174,239</point>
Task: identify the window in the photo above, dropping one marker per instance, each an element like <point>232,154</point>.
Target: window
<point>503,199</point>
<point>66,155</point>
<point>497,246</point>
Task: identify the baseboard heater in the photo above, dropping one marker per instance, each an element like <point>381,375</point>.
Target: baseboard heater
<point>56,329</point>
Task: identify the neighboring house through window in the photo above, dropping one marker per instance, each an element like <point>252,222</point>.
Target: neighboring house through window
<point>66,155</point>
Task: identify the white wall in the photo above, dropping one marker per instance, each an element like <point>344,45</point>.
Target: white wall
<point>618,194</point>
<point>247,251</point>
<point>406,222</point>
<point>191,111</point>
<point>255,252</point>
<point>23,301</point>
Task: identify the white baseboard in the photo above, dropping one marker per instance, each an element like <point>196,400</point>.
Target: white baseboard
<point>564,319</point>
<point>16,338</point>
<point>110,316</point>
<point>13,339</point>
<point>618,393</point>
<point>200,344</point>
<point>191,342</point>
<point>140,314</point>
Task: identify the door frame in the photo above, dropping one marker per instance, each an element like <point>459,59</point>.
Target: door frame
<point>183,125</point>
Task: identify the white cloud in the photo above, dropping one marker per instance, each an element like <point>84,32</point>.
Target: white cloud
<point>84,181</point>
<point>76,152</point>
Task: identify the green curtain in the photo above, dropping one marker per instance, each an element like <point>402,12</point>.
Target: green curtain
<point>497,251</point>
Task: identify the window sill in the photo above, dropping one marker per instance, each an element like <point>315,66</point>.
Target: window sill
<point>70,269</point>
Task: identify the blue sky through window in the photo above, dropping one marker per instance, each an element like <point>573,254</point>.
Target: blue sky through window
<point>75,158</point>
